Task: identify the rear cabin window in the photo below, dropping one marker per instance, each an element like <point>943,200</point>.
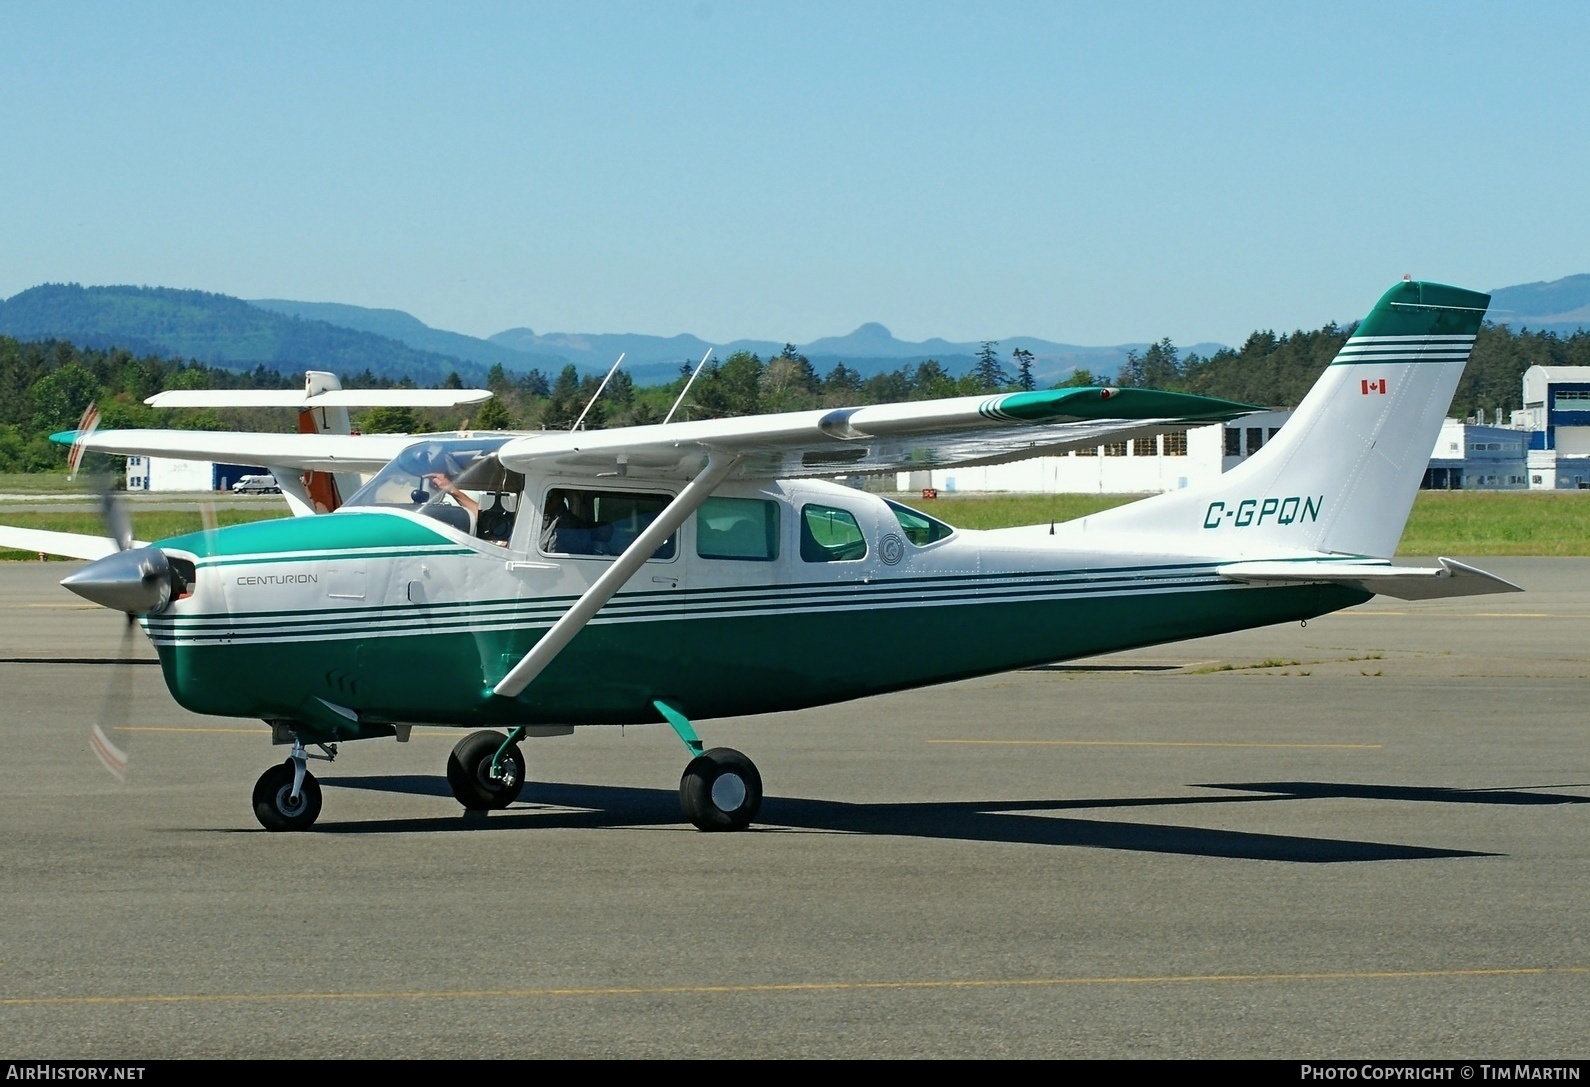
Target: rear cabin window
<point>919,528</point>
<point>737,528</point>
<point>580,522</point>
<point>830,535</point>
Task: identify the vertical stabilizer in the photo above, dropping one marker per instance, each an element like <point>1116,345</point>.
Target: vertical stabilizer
<point>1341,475</point>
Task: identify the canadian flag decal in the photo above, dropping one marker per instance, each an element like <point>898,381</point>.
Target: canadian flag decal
<point>1373,386</point>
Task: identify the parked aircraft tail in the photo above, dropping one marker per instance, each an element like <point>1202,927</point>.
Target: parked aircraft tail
<point>1341,475</point>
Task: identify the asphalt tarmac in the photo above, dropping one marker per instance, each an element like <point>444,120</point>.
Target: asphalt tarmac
<point>1364,838</point>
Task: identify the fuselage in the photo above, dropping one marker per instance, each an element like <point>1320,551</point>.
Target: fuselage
<point>783,596</point>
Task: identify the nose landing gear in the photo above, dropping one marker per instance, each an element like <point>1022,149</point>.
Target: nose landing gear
<point>287,797</point>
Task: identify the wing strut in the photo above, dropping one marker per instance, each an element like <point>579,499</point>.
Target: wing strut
<point>573,621</point>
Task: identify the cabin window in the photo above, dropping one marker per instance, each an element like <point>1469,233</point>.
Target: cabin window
<point>830,535</point>
<point>737,528</point>
<point>1233,442</point>
<point>581,522</point>
<point>919,528</point>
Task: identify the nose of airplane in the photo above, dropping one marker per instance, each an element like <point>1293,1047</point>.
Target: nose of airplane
<point>136,581</point>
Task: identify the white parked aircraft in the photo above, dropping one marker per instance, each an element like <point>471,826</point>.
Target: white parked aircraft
<point>531,583</point>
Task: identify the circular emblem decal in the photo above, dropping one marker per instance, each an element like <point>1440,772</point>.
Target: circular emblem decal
<point>891,549</point>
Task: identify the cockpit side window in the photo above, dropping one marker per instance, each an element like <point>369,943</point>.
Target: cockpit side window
<point>457,481</point>
<point>829,534</point>
<point>576,521</point>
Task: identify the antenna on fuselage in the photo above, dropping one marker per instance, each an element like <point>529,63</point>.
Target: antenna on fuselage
<point>598,394</point>
<point>689,383</point>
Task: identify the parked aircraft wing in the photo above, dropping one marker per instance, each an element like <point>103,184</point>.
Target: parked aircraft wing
<point>920,435</point>
<point>1451,578</point>
<point>73,545</point>
<point>331,398</point>
<point>322,452</point>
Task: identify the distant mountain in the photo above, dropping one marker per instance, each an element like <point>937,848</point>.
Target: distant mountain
<point>1561,306</point>
<point>286,334</point>
<point>870,349</point>
<point>215,329</point>
<point>394,324</point>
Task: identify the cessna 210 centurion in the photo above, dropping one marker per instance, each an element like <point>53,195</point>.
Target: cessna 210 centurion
<point>686,571</point>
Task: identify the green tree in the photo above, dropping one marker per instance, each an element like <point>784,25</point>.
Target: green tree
<point>987,375</point>
<point>1022,358</point>
<point>493,415</point>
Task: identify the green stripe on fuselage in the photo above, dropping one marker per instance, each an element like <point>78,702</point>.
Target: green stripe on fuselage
<point>710,667</point>
<point>338,532</point>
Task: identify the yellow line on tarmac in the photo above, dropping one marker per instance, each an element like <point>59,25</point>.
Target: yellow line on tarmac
<point>187,728</point>
<point>788,987</point>
<point>1147,743</point>
<point>1460,615</point>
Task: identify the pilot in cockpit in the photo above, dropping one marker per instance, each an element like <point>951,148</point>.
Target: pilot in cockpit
<point>492,523</point>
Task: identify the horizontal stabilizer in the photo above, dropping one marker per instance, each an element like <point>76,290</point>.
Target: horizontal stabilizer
<point>331,398</point>
<point>1451,578</point>
<point>72,545</point>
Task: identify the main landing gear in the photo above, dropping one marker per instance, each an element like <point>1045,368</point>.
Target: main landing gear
<point>287,797</point>
<point>486,770</point>
<point>720,789</point>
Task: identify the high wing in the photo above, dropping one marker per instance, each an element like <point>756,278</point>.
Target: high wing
<point>970,430</point>
<point>304,452</point>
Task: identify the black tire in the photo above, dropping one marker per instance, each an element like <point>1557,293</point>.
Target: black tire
<point>720,790</point>
<point>273,804</point>
<point>469,772</point>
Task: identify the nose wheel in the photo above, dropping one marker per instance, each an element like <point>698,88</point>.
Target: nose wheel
<point>720,790</point>
<point>486,771</point>
<point>278,806</point>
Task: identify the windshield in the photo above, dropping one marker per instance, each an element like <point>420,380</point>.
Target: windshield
<point>407,483</point>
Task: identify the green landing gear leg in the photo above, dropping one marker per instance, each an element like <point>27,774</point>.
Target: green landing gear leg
<point>720,789</point>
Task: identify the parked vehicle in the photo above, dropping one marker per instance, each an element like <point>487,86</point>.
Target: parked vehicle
<point>256,485</point>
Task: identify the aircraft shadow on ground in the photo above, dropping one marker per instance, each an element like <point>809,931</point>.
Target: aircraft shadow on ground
<point>549,805</point>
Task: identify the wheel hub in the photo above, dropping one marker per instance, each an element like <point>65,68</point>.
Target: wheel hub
<point>728,792</point>
<point>289,805</point>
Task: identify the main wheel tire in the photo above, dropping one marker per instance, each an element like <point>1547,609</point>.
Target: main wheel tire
<point>274,805</point>
<point>720,790</point>
<point>469,772</point>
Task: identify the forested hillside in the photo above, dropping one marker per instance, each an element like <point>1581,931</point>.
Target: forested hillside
<point>1277,370</point>
<point>44,387</point>
<point>215,329</point>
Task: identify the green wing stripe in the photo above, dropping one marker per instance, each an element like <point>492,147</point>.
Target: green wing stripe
<point>1090,402</point>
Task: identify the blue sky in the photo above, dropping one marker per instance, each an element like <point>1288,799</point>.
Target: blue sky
<point>1087,173</point>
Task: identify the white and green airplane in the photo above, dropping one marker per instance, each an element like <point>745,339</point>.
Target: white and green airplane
<point>524,584</point>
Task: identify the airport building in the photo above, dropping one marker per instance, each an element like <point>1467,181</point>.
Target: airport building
<point>1472,456</point>
<point>1556,416</point>
<point>174,474</point>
